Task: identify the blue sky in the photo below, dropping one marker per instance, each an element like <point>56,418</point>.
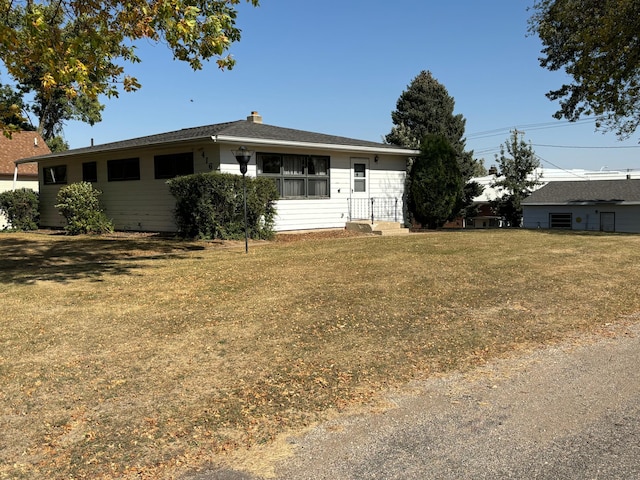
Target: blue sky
<point>338,67</point>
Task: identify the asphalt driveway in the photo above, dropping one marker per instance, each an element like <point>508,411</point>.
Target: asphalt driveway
<point>571,411</point>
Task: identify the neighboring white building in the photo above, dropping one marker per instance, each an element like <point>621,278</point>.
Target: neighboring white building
<point>21,145</point>
<point>324,180</point>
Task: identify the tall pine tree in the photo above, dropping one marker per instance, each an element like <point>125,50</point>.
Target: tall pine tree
<point>424,108</point>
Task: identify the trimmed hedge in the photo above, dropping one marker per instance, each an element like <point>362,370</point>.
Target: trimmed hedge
<point>78,203</point>
<point>211,206</point>
<point>21,208</point>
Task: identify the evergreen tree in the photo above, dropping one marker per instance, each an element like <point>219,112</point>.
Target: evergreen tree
<point>424,108</point>
<point>435,183</point>
<point>515,182</point>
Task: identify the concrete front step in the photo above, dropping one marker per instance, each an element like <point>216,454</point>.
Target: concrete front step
<point>377,228</point>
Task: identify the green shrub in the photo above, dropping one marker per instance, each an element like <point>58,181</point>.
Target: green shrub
<point>211,205</point>
<point>78,203</point>
<point>20,207</point>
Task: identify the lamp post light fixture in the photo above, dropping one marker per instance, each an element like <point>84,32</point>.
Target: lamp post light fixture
<point>243,156</point>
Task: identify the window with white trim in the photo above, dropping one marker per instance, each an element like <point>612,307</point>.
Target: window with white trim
<point>296,176</point>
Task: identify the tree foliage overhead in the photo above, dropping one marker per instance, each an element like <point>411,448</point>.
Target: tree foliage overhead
<point>516,163</point>
<point>12,109</point>
<point>435,183</point>
<point>597,43</point>
<point>75,48</point>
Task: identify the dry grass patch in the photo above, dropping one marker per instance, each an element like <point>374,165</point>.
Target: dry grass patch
<point>145,358</point>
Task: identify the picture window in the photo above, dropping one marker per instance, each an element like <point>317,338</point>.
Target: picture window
<point>296,176</point>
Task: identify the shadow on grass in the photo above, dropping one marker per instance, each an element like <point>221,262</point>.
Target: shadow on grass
<point>25,260</point>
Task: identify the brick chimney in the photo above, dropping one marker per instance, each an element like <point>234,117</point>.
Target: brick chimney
<point>493,170</point>
<point>255,117</point>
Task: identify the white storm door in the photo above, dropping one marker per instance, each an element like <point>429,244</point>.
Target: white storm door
<point>360,178</point>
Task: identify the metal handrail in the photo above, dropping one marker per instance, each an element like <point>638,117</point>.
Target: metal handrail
<point>374,208</point>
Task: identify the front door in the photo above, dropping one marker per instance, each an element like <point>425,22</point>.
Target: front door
<point>607,221</point>
<point>359,195</point>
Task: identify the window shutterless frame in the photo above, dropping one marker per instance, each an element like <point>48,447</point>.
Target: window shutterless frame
<point>90,172</point>
<point>56,175</point>
<point>123,169</point>
<point>296,176</point>
<point>173,165</point>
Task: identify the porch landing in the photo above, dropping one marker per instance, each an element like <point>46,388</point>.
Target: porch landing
<point>377,228</point>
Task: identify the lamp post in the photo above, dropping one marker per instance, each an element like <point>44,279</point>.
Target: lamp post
<point>243,156</point>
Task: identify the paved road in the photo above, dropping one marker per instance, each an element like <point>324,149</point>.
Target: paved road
<point>567,412</point>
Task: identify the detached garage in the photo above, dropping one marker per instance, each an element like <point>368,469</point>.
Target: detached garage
<point>598,205</point>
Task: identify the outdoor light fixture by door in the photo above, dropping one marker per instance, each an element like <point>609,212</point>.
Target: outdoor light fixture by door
<point>243,156</point>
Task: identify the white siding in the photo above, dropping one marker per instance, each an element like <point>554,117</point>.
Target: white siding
<point>388,177</point>
<point>386,182</point>
<point>147,205</point>
<point>144,205</point>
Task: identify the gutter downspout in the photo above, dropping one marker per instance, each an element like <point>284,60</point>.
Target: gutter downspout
<point>15,176</point>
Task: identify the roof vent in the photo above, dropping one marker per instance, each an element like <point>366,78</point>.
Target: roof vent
<point>254,118</point>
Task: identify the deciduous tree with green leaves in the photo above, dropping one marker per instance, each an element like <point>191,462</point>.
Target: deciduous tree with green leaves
<point>69,52</point>
<point>435,183</point>
<point>516,163</point>
<point>12,109</point>
<point>596,43</point>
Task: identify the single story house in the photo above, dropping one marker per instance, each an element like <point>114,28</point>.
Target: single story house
<point>21,145</point>
<point>602,205</point>
<point>324,180</point>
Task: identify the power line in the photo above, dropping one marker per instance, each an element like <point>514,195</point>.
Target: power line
<point>582,146</point>
<point>559,167</point>
<point>496,149</point>
<point>529,126</point>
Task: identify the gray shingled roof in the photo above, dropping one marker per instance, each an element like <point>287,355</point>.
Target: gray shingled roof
<point>586,192</point>
<point>240,128</point>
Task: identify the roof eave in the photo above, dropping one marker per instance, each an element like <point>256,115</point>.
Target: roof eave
<point>225,138</point>
<point>311,145</point>
<point>98,149</point>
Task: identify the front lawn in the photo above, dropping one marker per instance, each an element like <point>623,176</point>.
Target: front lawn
<point>138,357</point>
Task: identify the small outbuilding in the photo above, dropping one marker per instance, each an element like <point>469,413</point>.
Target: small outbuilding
<point>598,205</point>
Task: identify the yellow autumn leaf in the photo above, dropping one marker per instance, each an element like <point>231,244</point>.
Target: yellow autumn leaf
<point>48,81</point>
